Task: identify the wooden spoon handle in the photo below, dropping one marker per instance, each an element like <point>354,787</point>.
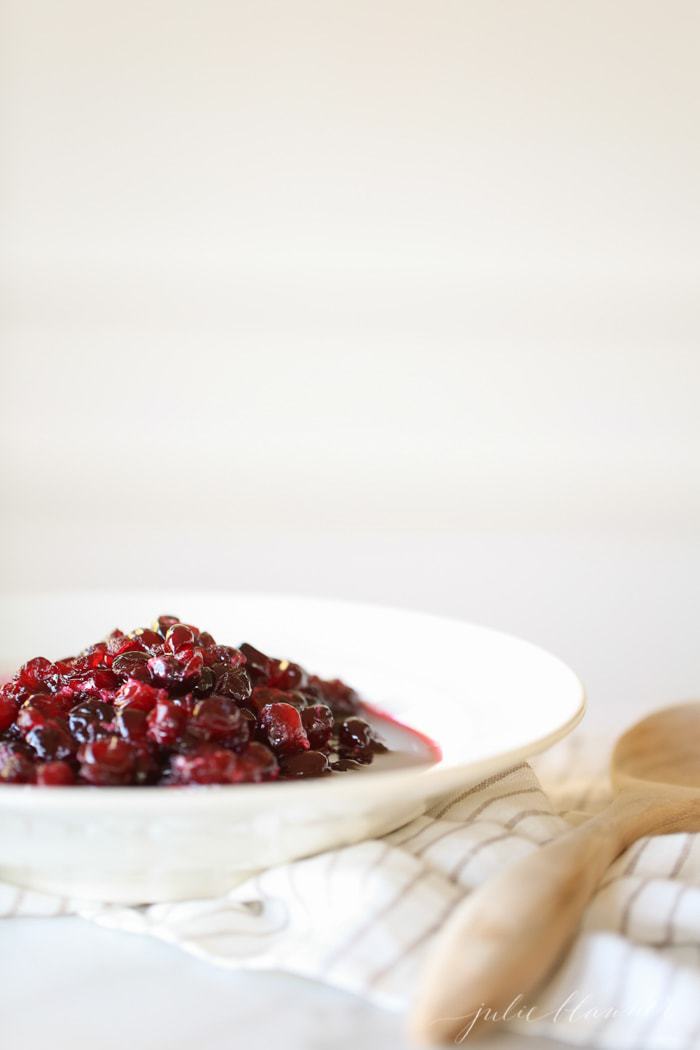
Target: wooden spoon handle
<point>507,935</point>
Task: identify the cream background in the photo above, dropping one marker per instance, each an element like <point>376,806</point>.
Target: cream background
<point>309,267</point>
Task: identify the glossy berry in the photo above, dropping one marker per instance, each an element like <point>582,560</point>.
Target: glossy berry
<point>35,672</point>
<point>90,720</point>
<point>107,763</point>
<point>355,733</point>
<point>317,720</point>
<point>218,718</point>
<point>179,636</point>
<point>149,639</point>
<point>282,727</point>
<point>258,763</point>
<point>285,675</point>
<point>51,740</point>
<point>132,664</point>
<point>207,764</point>
<point>37,710</point>
<point>131,723</point>
<point>306,764</point>
<point>139,694</point>
<point>166,722</point>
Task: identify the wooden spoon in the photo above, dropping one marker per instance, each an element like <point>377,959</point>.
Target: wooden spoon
<point>508,935</point>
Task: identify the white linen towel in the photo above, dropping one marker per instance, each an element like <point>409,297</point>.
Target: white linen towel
<point>362,917</point>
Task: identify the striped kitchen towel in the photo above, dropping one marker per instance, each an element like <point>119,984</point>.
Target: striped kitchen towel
<point>361,918</point>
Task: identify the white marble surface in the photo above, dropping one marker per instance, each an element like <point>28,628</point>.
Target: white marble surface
<point>623,612</point>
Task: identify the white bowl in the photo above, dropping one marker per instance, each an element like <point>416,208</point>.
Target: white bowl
<point>487,699</point>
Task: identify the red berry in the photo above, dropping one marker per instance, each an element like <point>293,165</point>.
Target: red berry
<point>139,694</point>
<point>90,720</point>
<point>281,725</point>
<point>99,683</point>
<point>108,762</point>
<point>180,636</point>
<point>36,671</point>
<point>257,763</point>
<point>218,718</point>
<point>132,664</point>
<point>166,722</point>
<point>37,710</point>
<point>163,623</point>
<point>306,764</point>
<point>283,675</point>
<point>148,639</point>
<point>318,723</point>
<point>131,723</point>
<point>257,664</point>
<point>54,774</point>
<point>51,740</point>
<point>262,696</point>
<point>206,764</point>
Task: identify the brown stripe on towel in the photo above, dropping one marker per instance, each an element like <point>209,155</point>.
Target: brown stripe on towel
<point>439,814</point>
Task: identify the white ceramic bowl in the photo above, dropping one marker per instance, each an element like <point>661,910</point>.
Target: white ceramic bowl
<point>487,699</point>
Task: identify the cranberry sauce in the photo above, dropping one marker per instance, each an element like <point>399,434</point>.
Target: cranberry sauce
<point>167,705</point>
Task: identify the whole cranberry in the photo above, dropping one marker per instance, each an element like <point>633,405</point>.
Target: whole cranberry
<point>206,682</point>
<point>285,675</point>
<point>355,732</point>
<point>36,671</point>
<point>99,683</point>
<point>257,763</point>
<point>51,740</point>
<point>317,720</point>
<point>191,662</point>
<point>167,672</point>
<point>282,727</point>
<point>340,697</point>
<point>166,722</point>
<point>227,655</point>
<point>90,720</point>
<point>232,682</point>
<point>132,664</point>
<point>148,639</point>
<point>218,718</point>
<point>108,762</point>
<point>206,764</point>
<point>131,723</point>
<point>139,694</point>
<point>257,664</point>
<point>119,645</point>
<point>356,739</point>
<point>164,623</point>
<point>37,710</point>
<point>180,636</point>
<point>54,774</point>
<point>262,696</point>
<point>306,764</point>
